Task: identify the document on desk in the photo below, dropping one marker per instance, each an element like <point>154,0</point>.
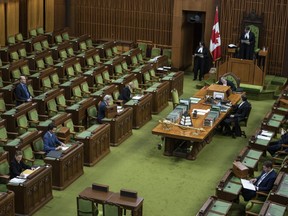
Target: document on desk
<point>137,97</point>
<point>17,180</point>
<point>267,133</point>
<point>247,184</point>
<point>64,148</point>
<point>263,137</point>
<point>201,111</point>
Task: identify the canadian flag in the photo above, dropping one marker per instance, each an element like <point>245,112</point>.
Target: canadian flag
<point>215,42</point>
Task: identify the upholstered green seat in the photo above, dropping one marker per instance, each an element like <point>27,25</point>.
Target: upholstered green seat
<point>22,52</point>
<point>256,32</point>
<point>33,33</point>
<point>83,46</point>
<point>70,72</point>
<point>89,43</point>
<point>118,70</point>
<point>134,60</point>
<point>40,64</point>
<point>168,52</point>
<point>90,62</point>
<point>65,36</point>
<point>45,44</point>
<point>38,147</point>
<point>99,80</point>
<point>30,88</point>
<point>97,59</point>
<point>92,114</point>
<point>46,83</point>
<point>55,79</point>
<point>251,88</point>
<point>77,93</point>
<point>22,124</point>
<point>58,39</point>
<point>61,102</point>
<point>143,47</point>
<point>63,55</point>
<point>106,76</point>
<point>11,40</point>
<point>29,158</point>
<point>16,74</point>
<point>40,30</point>
<point>37,47</point>
<point>33,117</point>
<point>70,51</point>
<point>4,171</point>
<point>155,52</point>
<point>85,89</point>
<point>2,107</point>
<point>52,107</point>
<point>14,56</point>
<point>109,53</point>
<point>25,70</point>
<point>253,208</point>
<point>19,37</point>
<point>115,50</point>
<point>87,207</point>
<point>77,68</point>
<point>49,60</point>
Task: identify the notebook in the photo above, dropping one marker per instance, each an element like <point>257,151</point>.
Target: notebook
<point>54,154</point>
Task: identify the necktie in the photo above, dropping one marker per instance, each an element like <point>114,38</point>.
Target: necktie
<point>200,50</point>
<point>261,179</point>
<point>26,91</point>
<point>247,36</point>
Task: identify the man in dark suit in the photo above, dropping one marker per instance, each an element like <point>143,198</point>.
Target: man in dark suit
<point>51,142</point>
<point>263,183</point>
<point>200,60</point>
<point>22,93</point>
<point>102,107</point>
<point>223,81</point>
<point>276,145</point>
<point>247,44</point>
<point>126,92</point>
<point>17,166</point>
<point>240,112</point>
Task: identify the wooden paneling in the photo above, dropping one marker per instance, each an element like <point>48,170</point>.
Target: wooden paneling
<point>274,35</point>
<point>126,20</point>
<point>35,14</point>
<point>60,13</point>
<point>12,17</point>
<point>49,15</point>
<point>2,24</point>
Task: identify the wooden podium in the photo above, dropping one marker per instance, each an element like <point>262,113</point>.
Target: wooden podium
<point>249,71</point>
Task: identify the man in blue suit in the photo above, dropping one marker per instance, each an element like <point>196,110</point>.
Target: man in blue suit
<point>277,145</point>
<point>51,142</point>
<point>263,183</point>
<point>102,107</point>
<point>22,93</point>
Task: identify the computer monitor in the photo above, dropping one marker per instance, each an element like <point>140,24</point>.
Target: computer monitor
<point>219,95</point>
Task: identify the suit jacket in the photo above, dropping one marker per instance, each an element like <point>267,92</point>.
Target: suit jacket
<point>283,139</point>
<point>268,182</point>
<point>50,142</point>
<point>20,93</point>
<point>241,112</point>
<point>125,94</point>
<point>101,111</point>
<point>16,168</point>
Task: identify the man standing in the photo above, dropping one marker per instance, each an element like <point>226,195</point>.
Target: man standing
<point>200,59</point>
<point>51,142</point>
<point>247,44</point>
<point>102,107</point>
<point>263,183</point>
<point>22,93</point>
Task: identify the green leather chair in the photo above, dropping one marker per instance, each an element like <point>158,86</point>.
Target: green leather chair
<point>4,171</point>
<point>19,37</point>
<point>52,108</point>
<point>255,30</point>
<point>65,36</point>
<point>70,51</point>
<point>16,74</point>
<point>55,80</point>
<point>40,64</point>
<point>77,68</point>
<point>85,89</point>
<point>155,52</point>
<point>61,102</point>
<point>40,31</point>
<point>29,157</point>
<point>58,39</point>
<point>14,56</point>
<point>46,84</point>
<point>22,53</point>
<point>82,46</point>
<point>175,98</point>
<point>77,93</point>
<point>70,72</point>
<point>92,115</point>
<point>11,40</point>
<point>37,47</point>
<point>45,44</point>
<point>49,60</point>
<point>86,207</point>
<point>33,33</point>
<point>63,55</point>
<point>38,147</point>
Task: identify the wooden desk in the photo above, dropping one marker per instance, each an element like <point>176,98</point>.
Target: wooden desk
<point>160,95</point>
<point>133,204</point>
<point>111,198</point>
<point>12,115</point>
<point>34,193</point>
<point>272,208</point>
<point>67,168</point>
<point>96,140</point>
<point>214,206</point>
<point>123,81</point>
<point>259,143</point>
<point>6,51</point>
<point>7,203</point>
<point>191,137</point>
<point>31,41</point>
<point>176,80</point>
<point>32,59</point>
<point>279,193</point>
<point>272,122</point>
<point>79,110</point>
<point>141,110</point>
<point>229,187</point>
<point>120,126</point>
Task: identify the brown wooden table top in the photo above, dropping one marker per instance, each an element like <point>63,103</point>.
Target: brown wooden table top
<point>194,134</point>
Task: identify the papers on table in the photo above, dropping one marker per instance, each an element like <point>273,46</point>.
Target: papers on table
<point>119,109</point>
<point>17,180</point>
<point>265,135</point>
<point>194,100</point>
<point>64,148</point>
<point>247,184</point>
<point>201,111</point>
<point>137,97</point>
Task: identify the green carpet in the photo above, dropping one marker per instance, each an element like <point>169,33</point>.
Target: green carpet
<point>169,185</point>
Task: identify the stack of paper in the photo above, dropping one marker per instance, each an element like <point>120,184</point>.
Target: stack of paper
<point>201,111</point>
<point>17,180</point>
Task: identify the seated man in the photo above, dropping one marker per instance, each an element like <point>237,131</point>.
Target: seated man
<point>276,145</point>
<point>51,142</point>
<point>102,107</point>
<point>263,183</point>
<point>240,112</point>
<point>126,92</point>
<point>17,166</point>
<point>22,93</point>
<point>223,81</point>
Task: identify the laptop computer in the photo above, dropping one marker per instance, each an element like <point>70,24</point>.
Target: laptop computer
<point>54,154</point>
